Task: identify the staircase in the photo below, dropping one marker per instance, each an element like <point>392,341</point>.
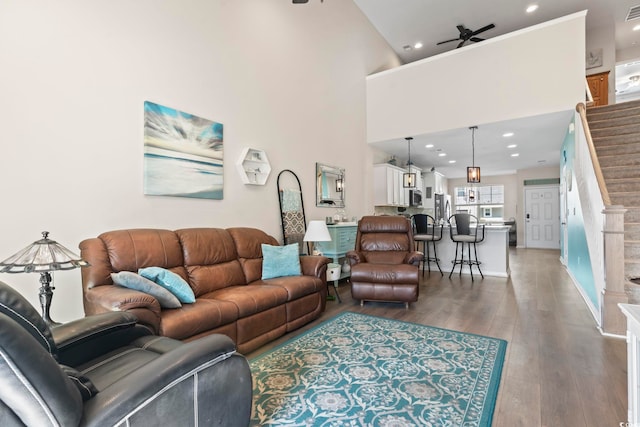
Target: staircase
<point>615,130</point>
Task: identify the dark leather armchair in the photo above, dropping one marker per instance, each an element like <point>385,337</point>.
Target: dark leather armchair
<point>105,370</point>
<point>384,264</point>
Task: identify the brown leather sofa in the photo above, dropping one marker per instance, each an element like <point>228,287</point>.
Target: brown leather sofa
<point>224,269</point>
<point>384,264</point>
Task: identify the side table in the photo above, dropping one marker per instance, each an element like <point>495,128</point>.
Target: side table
<point>343,240</point>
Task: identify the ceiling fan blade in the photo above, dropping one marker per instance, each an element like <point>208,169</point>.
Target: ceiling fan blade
<point>483,29</point>
<point>476,39</point>
<point>447,41</point>
<point>460,28</point>
<point>461,44</point>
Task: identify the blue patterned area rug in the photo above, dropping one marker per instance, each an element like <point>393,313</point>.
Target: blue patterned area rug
<point>361,370</point>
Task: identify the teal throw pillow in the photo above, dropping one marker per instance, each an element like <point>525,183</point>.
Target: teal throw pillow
<point>280,261</point>
<point>131,280</point>
<point>170,281</point>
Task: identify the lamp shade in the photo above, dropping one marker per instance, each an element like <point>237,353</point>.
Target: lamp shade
<point>317,232</point>
<point>40,256</point>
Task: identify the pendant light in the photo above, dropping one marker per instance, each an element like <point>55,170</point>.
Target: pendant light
<point>473,171</point>
<point>472,195</point>
<point>408,178</point>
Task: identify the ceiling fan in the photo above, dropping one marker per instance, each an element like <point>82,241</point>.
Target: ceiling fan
<point>468,35</point>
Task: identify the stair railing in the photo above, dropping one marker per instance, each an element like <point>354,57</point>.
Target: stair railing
<point>582,110</point>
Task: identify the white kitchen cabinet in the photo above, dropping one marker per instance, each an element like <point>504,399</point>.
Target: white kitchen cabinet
<point>436,181</point>
<point>387,186</point>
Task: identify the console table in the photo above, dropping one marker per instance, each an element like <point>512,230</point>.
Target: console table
<point>343,240</point>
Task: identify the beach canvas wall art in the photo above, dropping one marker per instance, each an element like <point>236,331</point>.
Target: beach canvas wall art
<point>182,154</point>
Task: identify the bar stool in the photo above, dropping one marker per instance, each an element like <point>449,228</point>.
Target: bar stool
<point>425,231</point>
<point>464,228</point>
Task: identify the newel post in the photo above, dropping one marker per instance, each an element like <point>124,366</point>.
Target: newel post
<point>613,320</point>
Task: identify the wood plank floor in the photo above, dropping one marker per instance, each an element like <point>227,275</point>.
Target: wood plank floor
<point>559,370</point>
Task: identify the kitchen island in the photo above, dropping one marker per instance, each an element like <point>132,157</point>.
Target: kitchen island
<point>493,252</point>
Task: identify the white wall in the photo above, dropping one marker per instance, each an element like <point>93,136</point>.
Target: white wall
<point>529,72</point>
<point>289,79</point>
<point>627,55</point>
<point>604,38</point>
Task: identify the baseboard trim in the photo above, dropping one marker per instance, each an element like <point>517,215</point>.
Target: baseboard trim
<point>609,335</point>
<point>594,311</point>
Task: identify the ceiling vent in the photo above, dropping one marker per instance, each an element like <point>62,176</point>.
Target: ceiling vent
<point>634,13</point>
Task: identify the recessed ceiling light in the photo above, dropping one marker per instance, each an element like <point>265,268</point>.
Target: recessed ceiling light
<point>508,134</point>
<point>512,145</point>
<point>452,161</point>
<point>418,45</point>
<point>442,154</point>
<point>532,8</point>
<point>428,146</point>
<point>515,155</point>
<point>636,28</point>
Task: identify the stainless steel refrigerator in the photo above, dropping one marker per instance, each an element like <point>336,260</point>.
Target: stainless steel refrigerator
<point>442,207</point>
<point>438,207</point>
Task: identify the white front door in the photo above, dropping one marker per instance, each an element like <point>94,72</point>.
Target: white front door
<point>542,217</point>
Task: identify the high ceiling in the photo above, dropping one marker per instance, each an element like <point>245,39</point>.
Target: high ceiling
<point>404,23</point>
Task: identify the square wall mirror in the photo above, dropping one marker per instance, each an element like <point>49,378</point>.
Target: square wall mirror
<point>330,186</point>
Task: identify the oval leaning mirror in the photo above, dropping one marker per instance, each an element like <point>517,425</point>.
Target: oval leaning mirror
<point>330,186</point>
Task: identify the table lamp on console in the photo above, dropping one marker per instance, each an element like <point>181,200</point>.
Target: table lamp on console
<point>317,232</point>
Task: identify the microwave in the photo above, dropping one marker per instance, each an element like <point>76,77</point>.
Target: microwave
<point>415,198</point>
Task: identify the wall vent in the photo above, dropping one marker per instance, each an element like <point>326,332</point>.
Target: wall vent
<point>634,13</point>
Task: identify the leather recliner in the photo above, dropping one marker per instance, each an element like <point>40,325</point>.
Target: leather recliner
<point>384,264</point>
<point>106,370</point>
